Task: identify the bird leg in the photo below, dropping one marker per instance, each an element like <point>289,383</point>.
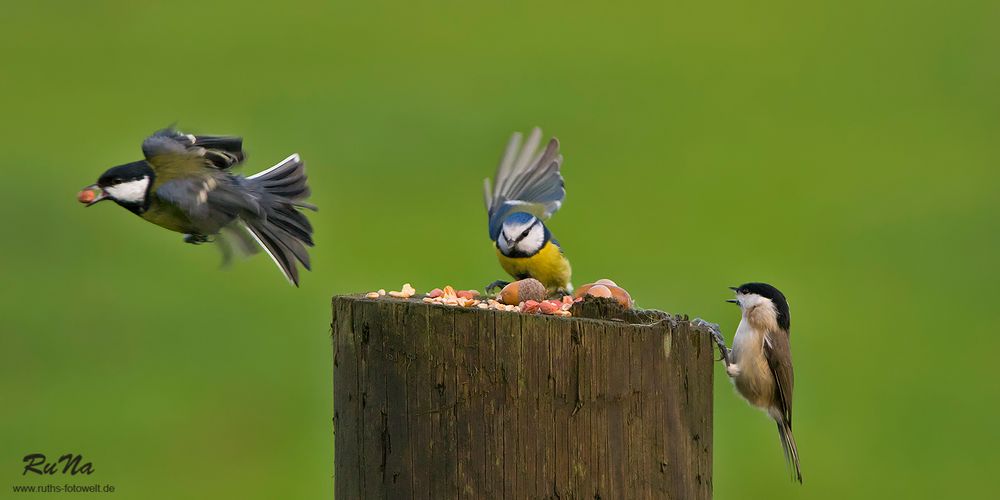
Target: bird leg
<point>498,284</point>
<point>717,337</point>
<point>196,239</point>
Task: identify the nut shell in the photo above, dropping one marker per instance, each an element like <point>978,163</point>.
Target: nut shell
<point>582,290</point>
<point>622,296</point>
<point>549,306</point>
<point>605,288</point>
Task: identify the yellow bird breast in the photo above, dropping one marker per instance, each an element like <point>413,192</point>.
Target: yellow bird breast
<point>548,265</point>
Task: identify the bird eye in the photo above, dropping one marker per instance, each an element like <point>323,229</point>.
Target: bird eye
<point>524,234</point>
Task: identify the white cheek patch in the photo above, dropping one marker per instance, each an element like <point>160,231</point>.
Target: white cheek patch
<point>533,241</point>
<point>752,300</point>
<point>129,192</point>
<point>502,244</point>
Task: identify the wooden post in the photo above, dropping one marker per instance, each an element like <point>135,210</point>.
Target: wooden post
<point>442,402</point>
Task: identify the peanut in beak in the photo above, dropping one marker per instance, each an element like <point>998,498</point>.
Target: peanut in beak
<point>86,196</point>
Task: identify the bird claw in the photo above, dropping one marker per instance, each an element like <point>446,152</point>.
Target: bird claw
<point>196,239</point>
<point>498,284</point>
<point>717,337</point>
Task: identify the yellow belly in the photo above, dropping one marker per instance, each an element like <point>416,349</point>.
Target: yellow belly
<point>549,266</point>
<point>169,217</point>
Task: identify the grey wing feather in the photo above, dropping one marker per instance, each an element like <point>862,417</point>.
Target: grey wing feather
<point>221,152</point>
<point>526,180</point>
<point>777,351</point>
<point>211,201</point>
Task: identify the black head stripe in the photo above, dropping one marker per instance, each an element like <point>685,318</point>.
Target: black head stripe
<point>124,173</point>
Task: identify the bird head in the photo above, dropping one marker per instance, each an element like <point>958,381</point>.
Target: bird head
<point>522,234</point>
<point>127,185</point>
<point>751,295</point>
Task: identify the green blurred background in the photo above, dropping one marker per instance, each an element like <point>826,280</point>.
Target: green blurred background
<point>846,152</point>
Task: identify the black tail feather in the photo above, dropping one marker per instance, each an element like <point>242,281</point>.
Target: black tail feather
<point>277,252</point>
<point>283,231</point>
<point>293,223</point>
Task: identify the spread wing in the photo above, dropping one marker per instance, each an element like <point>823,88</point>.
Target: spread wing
<point>167,147</point>
<point>778,353</point>
<point>527,180</point>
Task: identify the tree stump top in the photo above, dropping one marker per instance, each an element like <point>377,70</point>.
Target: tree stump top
<point>433,401</point>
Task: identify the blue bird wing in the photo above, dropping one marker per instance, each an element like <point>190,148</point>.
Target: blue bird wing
<point>526,180</point>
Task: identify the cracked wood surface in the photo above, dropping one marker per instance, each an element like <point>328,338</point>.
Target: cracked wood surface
<point>441,402</point>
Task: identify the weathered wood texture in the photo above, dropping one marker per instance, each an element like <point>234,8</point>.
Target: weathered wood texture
<point>439,402</point>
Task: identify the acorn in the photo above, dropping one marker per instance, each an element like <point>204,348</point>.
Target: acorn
<point>522,291</point>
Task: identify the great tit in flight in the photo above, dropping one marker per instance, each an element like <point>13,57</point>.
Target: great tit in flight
<point>528,190</point>
<point>760,362</point>
<point>185,184</point>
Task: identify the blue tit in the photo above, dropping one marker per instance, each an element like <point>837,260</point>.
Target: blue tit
<point>528,190</point>
<point>185,184</point>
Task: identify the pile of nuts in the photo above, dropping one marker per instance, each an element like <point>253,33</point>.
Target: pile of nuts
<point>451,297</point>
<point>407,292</point>
<point>448,296</point>
<point>553,307</point>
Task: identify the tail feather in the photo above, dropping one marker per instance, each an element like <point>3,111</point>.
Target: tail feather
<point>295,224</point>
<point>289,243</point>
<point>289,183</point>
<point>791,451</point>
<point>282,230</point>
<point>277,253</point>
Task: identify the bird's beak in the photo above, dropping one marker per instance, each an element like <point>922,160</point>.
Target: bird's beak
<point>91,194</point>
<point>734,288</point>
<point>732,301</point>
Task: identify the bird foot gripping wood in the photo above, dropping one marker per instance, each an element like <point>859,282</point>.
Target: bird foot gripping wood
<point>717,337</point>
